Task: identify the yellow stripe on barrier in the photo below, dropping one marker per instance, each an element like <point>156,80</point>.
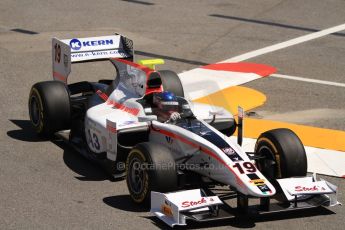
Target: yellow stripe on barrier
<point>310,136</point>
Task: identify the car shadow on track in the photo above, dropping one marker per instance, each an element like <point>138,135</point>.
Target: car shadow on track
<point>88,171</point>
<point>25,133</point>
<point>124,202</point>
<point>247,222</point>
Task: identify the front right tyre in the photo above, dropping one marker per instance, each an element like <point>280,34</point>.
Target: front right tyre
<point>283,154</point>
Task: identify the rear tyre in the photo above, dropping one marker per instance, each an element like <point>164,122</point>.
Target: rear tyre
<point>150,167</point>
<point>171,82</point>
<point>49,107</point>
<point>284,154</point>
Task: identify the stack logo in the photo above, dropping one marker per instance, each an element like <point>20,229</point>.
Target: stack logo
<point>202,201</point>
<point>76,44</point>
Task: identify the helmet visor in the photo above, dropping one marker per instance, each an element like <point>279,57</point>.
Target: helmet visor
<point>169,105</point>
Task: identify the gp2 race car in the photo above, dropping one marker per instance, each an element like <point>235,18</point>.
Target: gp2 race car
<point>175,150</point>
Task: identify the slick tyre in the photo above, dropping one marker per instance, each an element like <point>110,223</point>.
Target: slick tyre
<point>150,167</point>
<point>284,154</point>
<point>49,107</point>
<point>171,82</point>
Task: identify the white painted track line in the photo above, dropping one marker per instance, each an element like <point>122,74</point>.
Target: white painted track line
<point>331,83</point>
<point>286,44</point>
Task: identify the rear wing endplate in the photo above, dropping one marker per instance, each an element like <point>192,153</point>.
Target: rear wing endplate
<point>68,51</point>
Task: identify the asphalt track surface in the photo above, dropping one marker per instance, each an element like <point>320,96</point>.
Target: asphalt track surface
<point>46,185</point>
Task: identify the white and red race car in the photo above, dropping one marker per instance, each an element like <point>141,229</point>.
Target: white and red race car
<point>175,150</point>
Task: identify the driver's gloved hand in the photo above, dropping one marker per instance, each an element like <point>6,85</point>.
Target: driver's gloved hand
<point>175,116</point>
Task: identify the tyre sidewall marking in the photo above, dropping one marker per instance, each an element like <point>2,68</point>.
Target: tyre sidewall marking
<point>139,155</point>
<point>34,93</point>
<point>275,152</point>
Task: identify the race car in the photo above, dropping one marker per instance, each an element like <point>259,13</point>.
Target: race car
<point>175,150</point>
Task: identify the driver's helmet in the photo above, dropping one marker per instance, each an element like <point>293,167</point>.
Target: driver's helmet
<point>166,101</point>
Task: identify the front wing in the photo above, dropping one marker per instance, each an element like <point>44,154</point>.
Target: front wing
<point>176,208</point>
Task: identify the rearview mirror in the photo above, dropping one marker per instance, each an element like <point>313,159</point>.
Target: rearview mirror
<point>215,113</point>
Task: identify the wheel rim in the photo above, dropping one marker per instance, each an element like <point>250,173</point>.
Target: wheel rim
<point>267,165</point>
<point>34,111</point>
<point>136,176</point>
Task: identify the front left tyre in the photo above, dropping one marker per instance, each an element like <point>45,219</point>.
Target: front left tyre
<point>49,107</point>
<point>150,167</point>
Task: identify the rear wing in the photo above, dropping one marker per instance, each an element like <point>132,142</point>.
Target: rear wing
<point>68,51</point>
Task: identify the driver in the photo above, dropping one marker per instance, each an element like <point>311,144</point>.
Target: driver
<point>165,107</point>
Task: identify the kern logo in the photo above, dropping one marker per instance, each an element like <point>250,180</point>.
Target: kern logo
<point>76,44</point>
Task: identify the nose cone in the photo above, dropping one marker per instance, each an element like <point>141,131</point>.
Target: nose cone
<point>250,181</point>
